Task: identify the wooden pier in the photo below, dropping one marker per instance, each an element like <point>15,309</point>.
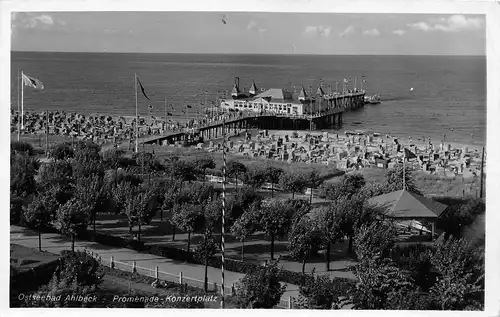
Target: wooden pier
<point>330,115</point>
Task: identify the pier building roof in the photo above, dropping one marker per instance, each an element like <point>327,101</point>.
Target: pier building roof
<point>275,93</point>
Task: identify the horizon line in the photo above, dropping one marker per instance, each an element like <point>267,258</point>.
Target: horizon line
<point>281,54</point>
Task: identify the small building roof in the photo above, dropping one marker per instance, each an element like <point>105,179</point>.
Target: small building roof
<point>235,91</point>
<point>253,88</point>
<point>405,204</point>
<point>302,94</point>
<point>320,91</point>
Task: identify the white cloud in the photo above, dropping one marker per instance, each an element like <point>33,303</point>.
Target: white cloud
<point>318,30</point>
<point>455,23</point>
<point>399,32</point>
<point>34,20</point>
<point>372,32</point>
<point>420,26</point>
<point>253,26</point>
<point>45,19</point>
<point>349,30</point>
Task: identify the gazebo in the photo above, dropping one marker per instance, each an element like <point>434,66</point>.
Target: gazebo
<point>406,205</point>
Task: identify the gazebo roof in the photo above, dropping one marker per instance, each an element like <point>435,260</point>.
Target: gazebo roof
<point>405,204</point>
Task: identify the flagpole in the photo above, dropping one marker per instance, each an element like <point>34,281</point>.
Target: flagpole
<point>22,103</point>
<point>165,115</point>
<point>18,109</point>
<point>482,177</point>
<point>404,176</point>
<point>355,82</point>
<point>47,133</point>
<point>136,116</point>
<point>223,229</point>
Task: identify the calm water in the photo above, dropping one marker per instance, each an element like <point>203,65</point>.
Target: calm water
<point>449,93</point>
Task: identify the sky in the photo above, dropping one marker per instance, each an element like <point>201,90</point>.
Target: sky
<point>249,33</point>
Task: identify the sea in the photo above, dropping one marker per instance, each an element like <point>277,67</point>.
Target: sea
<point>437,97</point>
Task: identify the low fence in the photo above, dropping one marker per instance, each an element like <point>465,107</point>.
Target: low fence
<point>179,278</point>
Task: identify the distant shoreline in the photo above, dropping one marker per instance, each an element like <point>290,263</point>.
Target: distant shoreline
<point>242,54</point>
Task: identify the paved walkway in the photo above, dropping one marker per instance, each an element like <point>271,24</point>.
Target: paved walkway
<point>56,243</point>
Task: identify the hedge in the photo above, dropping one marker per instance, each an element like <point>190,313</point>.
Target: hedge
<point>111,240</point>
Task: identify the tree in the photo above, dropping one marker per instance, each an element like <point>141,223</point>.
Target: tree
<point>273,175</point>
<point>304,239</point>
<point>234,169</point>
<point>416,259</point>
<point>23,169</point>
<point>275,220</point>
<point>139,209</point>
<point>372,189</point>
<point>112,178</point>
<point>245,225</point>
<point>206,251</point>
<point>182,171</point>
<point>237,204</point>
<point>374,240</point>
<point>170,196</point>
<point>350,185</point>
<point>460,283</point>
<point>71,219</point>
<point>376,280</point>
<point>88,191</point>
<point>293,182</point>
<point>313,180</point>
<point>62,151</point>
<point>260,289</point>
<point>57,176</point>
<point>188,218</point>
<point>459,216</point>
<point>146,161</point>
<point>111,157</point>
<point>394,180</point>
<point>352,213</point>
<point>78,274</point>
<point>203,163</point>
<point>87,151</point>
<point>39,213</point>
<point>319,292</point>
<point>120,193</point>
<point>255,177</point>
<point>328,224</point>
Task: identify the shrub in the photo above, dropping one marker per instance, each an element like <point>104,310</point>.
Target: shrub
<point>260,289</point>
<point>24,147</point>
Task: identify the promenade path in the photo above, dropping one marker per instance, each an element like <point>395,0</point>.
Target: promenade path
<point>55,243</point>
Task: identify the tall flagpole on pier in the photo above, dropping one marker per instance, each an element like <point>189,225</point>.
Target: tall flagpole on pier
<point>136,117</point>
<point>355,82</point>
<point>223,229</point>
